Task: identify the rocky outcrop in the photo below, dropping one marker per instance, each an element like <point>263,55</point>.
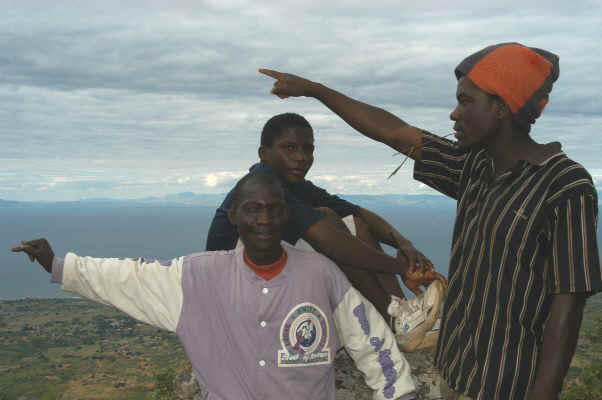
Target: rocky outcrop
<point>349,380</point>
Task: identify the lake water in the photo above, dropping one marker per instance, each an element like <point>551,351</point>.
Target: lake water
<point>161,232</point>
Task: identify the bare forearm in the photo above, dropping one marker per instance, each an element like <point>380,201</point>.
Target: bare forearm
<point>380,228</point>
<point>344,248</point>
<point>373,122</point>
<point>560,339</point>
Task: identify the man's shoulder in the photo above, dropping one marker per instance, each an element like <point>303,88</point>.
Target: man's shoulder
<point>309,258</point>
<point>209,259</point>
<point>568,171</point>
<point>569,178</point>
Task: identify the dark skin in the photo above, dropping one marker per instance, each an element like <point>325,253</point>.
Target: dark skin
<point>260,218</point>
<point>38,250</point>
<point>478,119</point>
<point>291,155</point>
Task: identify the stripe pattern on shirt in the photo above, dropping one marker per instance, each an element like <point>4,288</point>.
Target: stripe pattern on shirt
<point>518,238</point>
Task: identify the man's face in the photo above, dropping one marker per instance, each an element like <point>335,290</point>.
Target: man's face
<point>291,154</point>
<point>475,115</point>
<point>260,217</point>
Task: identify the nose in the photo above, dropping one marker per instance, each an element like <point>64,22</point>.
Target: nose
<point>299,155</point>
<point>454,114</point>
<point>265,216</point>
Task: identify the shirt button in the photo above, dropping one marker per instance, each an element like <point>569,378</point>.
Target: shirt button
<point>265,290</point>
<point>261,363</point>
<point>263,324</point>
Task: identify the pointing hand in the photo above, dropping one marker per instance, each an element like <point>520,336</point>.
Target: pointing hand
<point>288,85</point>
<point>38,249</point>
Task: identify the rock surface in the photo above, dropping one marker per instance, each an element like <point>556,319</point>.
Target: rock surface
<point>349,380</point>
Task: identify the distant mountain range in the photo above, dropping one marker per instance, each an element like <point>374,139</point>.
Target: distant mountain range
<point>185,199</point>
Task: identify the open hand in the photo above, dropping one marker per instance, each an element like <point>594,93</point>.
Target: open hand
<point>38,249</point>
<point>288,85</point>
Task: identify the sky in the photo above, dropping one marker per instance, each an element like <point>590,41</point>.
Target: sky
<point>128,99</point>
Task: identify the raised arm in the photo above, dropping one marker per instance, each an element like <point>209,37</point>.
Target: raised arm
<point>373,122</point>
<point>148,291</point>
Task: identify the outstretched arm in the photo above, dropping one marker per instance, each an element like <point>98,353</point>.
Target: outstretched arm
<point>148,291</point>
<point>370,121</point>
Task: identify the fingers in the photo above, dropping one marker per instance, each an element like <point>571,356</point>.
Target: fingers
<point>282,96</point>
<point>25,250</point>
<point>416,290</point>
<point>412,260</point>
<point>271,73</point>
<point>38,249</point>
<point>442,279</point>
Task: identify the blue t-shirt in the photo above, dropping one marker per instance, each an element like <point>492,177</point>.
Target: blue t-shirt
<point>302,199</point>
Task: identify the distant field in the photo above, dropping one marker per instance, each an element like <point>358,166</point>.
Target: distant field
<point>72,349</point>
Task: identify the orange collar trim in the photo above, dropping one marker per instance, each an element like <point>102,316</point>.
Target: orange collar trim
<point>267,272</point>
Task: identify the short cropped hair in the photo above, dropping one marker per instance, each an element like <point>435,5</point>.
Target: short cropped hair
<point>261,177</point>
<point>278,124</point>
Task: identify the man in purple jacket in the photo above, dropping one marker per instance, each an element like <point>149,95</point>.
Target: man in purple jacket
<point>261,321</point>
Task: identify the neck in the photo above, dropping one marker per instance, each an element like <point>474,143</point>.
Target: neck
<point>267,257</point>
<point>509,147</point>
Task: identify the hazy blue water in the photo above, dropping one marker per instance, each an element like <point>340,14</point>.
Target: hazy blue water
<point>160,232</point>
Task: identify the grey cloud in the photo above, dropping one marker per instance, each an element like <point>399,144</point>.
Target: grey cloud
<point>137,92</point>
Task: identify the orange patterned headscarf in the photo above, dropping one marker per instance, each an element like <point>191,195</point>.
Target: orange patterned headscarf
<point>522,76</point>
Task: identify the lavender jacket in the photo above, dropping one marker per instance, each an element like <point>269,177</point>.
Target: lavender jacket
<point>248,338</point>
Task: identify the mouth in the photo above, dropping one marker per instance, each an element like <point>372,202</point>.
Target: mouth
<point>297,172</point>
<point>268,236</point>
<point>458,133</point>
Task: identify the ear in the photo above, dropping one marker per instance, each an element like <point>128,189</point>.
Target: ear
<point>501,109</point>
<point>232,214</point>
<point>262,152</point>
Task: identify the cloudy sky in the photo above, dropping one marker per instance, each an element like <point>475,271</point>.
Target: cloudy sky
<point>128,99</point>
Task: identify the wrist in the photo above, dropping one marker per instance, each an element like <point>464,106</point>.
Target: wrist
<point>315,90</point>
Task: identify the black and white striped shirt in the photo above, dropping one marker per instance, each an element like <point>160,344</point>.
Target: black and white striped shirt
<point>518,238</point>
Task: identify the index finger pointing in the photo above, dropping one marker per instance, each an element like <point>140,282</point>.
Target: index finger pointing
<point>271,73</point>
<point>25,248</point>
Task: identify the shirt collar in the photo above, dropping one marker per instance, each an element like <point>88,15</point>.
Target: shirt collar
<point>549,151</point>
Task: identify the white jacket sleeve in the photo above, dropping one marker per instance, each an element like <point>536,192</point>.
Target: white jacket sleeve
<point>148,291</point>
<point>371,344</point>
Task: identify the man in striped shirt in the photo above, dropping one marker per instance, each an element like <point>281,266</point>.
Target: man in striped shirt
<point>524,252</point>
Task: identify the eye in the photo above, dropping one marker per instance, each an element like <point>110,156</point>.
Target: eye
<point>291,147</point>
<point>252,208</point>
<point>464,100</point>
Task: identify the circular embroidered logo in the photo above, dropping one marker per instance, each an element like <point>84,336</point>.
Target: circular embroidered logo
<point>304,337</point>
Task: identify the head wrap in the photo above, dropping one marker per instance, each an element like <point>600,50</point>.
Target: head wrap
<point>522,76</point>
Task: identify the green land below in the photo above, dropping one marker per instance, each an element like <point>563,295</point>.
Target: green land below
<point>74,349</point>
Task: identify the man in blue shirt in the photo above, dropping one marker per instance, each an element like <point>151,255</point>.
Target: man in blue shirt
<point>327,222</point>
